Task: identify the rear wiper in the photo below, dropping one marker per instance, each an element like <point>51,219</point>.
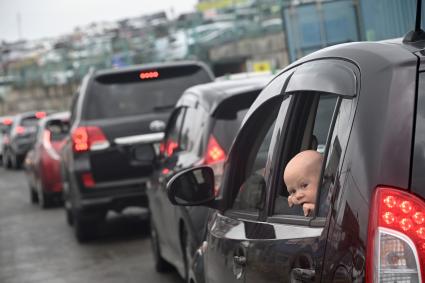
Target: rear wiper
<point>163,107</point>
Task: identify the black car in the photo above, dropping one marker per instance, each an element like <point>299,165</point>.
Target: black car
<point>115,118</point>
<point>363,106</point>
<point>20,138</point>
<point>200,131</point>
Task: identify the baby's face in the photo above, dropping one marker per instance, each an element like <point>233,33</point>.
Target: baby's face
<point>301,185</point>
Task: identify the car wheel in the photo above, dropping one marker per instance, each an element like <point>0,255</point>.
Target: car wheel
<point>85,228</point>
<point>16,164</point>
<point>6,161</point>
<point>69,216</point>
<point>33,196</point>
<point>43,199</point>
<point>161,265</point>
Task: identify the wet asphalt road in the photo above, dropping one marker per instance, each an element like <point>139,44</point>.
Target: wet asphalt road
<point>38,246</point>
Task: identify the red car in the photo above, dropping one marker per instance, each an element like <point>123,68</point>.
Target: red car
<point>42,163</point>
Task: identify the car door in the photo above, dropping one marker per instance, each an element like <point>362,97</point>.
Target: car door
<point>230,231</point>
<point>278,243</point>
<point>160,206</point>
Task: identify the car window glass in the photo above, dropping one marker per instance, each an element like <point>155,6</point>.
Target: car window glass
<point>58,129</point>
<point>251,194</point>
<point>192,128</point>
<point>339,141</point>
<point>317,111</point>
<point>171,142</point>
<point>225,129</point>
<point>122,95</point>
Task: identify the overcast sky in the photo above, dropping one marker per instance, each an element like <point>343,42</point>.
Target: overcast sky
<point>45,18</point>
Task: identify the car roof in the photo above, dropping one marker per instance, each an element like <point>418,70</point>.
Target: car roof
<point>210,95</point>
<point>59,115</point>
<point>150,66</point>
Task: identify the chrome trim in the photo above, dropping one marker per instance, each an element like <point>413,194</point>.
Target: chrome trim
<point>147,138</point>
<point>99,146</point>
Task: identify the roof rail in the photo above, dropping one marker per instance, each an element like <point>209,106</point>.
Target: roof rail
<point>417,34</point>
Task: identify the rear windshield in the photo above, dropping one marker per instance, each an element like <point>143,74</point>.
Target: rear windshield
<point>29,122</point>
<point>126,94</point>
<point>59,129</point>
<point>229,116</point>
<point>225,130</point>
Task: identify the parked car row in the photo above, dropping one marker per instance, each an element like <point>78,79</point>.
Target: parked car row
<point>208,159</point>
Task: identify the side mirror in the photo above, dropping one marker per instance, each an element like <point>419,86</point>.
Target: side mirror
<point>143,154</point>
<point>192,187</point>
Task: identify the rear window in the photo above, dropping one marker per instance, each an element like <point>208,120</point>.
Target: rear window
<point>29,122</point>
<point>229,116</point>
<point>136,92</point>
<point>59,129</point>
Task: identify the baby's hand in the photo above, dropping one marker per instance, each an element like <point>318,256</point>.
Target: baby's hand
<point>290,200</point>
<point>308,208</point>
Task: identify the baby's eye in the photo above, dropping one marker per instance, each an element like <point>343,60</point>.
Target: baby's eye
<point>304,185</point>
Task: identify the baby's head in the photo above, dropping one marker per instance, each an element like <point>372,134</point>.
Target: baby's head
<point>301,177</point>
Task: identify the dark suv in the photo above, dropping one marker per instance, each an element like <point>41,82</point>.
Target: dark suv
<point>115,118</point>
<point>20,138</point>
<point>200,131</point>
<point>362,105</point>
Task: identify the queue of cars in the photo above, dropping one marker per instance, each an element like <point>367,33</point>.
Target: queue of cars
<point>167,134</point>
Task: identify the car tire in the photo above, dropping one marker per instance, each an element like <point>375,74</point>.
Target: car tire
<point>44,200</point>
<point>6,161</point>
<point>15,162</point>
<point>33,196</point>
<point>161,265</point>
<point>85,228</point>
<point>69,217</point>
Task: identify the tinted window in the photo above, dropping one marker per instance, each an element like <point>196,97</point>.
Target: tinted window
<point>192,129</point>
<point>251,194</point>
<point>172,136</point>
<point>58,129</point>
<point>29,122</point>
<point>225,130</point>
<point>125,94</point>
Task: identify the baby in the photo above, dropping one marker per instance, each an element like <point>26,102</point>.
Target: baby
<point>301,177</point>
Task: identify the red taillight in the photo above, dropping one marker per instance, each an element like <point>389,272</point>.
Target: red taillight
<point>88,180</point>
<point>40,115</point>
<point>149,75</point>
<point>396,237</point>
<point>215,152</point>
<point>20,130</point>
<point>7,121</point>
<point>88,138</point>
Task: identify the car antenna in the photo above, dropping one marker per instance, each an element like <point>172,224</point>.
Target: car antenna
<point>418,34</point>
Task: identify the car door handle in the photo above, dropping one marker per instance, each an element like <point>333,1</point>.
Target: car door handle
<point>302,275</point>
<point>239,260</point>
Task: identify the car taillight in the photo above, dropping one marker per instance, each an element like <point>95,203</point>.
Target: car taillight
<point>396,237</point>
<point>88,138</point>
<point>88,180</point>
<point>215,152</point>
<point>48,145</point>
<point>20,130</point>
<point>168,147</point>
<point>40,115</point>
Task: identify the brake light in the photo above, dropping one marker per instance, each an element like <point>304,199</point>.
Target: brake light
<point>168,147</point>
<point>20,130</point>
<point>149,75</point>
<point>88,180</point>
<point>40,115</point>
<point>7,121</point>
<point>396,237</point>
<point>88,138</point>
<point>215,152</point>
